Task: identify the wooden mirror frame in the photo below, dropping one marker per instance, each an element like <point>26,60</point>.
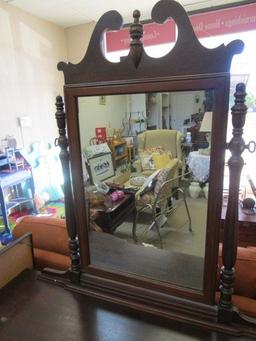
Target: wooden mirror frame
<point>188,66</point>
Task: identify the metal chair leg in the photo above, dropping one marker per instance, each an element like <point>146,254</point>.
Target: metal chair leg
<point>158,232</point>
<point>135,219</point>
<point>155,211</point>
<point>186,205</point>
<point>134,227</point>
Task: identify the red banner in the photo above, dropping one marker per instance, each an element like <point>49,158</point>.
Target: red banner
<point>230,20</point>
<point>153,34</point>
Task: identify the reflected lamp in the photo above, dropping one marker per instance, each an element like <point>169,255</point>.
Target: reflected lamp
<point>206,126</point>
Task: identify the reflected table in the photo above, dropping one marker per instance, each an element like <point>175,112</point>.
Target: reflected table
<point>199,165</point>
<point>246,227</point>
<point>112,214</point>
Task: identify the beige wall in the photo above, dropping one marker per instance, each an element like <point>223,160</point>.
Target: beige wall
<point>92,114</point>
<point>78,38</point>
<point>30,49</point>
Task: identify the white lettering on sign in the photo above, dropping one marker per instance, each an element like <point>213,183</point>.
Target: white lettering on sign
<point>240,20</point>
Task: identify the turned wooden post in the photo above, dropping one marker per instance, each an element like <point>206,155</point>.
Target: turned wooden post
<point>235,164</point>
<point>62,141</point>
<point>136,33</point>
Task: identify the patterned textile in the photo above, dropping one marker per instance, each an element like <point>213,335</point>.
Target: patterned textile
<point>146,199</point>
<point>199,164</point>
<point>164,175</point>
<point>149,184</point>
<point>154,158</point>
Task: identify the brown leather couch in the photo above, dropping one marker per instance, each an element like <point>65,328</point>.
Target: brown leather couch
<point>50,241</point>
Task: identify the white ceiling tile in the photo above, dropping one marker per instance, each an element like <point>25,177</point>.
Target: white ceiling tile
<point>74,12</point>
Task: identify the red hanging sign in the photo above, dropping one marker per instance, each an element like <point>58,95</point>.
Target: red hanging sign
<point>230,20</point>
<point>153,34</point>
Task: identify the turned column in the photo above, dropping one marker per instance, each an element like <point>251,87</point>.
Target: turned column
<point>62,142</point>
<point>136,33</point>
<point>235,164</point>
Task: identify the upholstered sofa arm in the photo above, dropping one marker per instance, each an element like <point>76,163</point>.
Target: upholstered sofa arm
<point>48,233</point>
<point>49,259</point>
<point>245,271</point>
<point>244,297</point>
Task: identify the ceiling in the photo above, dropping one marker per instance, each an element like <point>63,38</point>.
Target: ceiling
<point>67,13</point>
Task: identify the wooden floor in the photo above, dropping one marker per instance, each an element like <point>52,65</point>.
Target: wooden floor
<point>32,310</point>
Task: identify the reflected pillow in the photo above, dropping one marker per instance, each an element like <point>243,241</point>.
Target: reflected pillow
<point>161,160</point>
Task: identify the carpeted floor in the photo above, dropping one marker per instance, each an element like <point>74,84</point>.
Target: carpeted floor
<point>175,234</point>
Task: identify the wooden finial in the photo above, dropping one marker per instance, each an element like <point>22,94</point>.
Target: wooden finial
<point>136,33</point>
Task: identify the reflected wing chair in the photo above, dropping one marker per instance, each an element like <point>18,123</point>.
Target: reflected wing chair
<point>169,140</point>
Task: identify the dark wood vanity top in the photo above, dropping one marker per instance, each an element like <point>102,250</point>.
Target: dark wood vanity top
<point>34,315</point>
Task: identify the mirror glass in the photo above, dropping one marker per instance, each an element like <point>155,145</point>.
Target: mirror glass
<point>146,160</point>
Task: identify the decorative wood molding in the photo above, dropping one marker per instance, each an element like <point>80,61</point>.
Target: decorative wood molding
<point>188,56</point>
<point>187,64</point>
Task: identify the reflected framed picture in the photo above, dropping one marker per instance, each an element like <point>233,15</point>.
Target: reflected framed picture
<point>101,167</point>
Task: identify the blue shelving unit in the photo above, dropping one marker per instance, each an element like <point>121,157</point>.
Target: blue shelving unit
<point>12,178</point>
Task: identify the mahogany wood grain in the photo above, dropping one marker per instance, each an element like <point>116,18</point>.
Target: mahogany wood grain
<point>188,66</point>
<point>246,227</point>
<point>62,142</point>
<point>46,312</point>
<point>230,234</point>
<point>188,57</point>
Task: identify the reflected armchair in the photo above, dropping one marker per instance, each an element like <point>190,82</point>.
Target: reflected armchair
<point>158,201</point>
<point>168,140</point>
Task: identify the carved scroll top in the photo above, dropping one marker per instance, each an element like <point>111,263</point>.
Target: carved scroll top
<point>94,67</point>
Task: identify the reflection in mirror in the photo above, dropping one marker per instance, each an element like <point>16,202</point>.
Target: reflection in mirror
<point>146,161</point>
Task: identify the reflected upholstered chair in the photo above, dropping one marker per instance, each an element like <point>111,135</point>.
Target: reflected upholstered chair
<point>168,140</point>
